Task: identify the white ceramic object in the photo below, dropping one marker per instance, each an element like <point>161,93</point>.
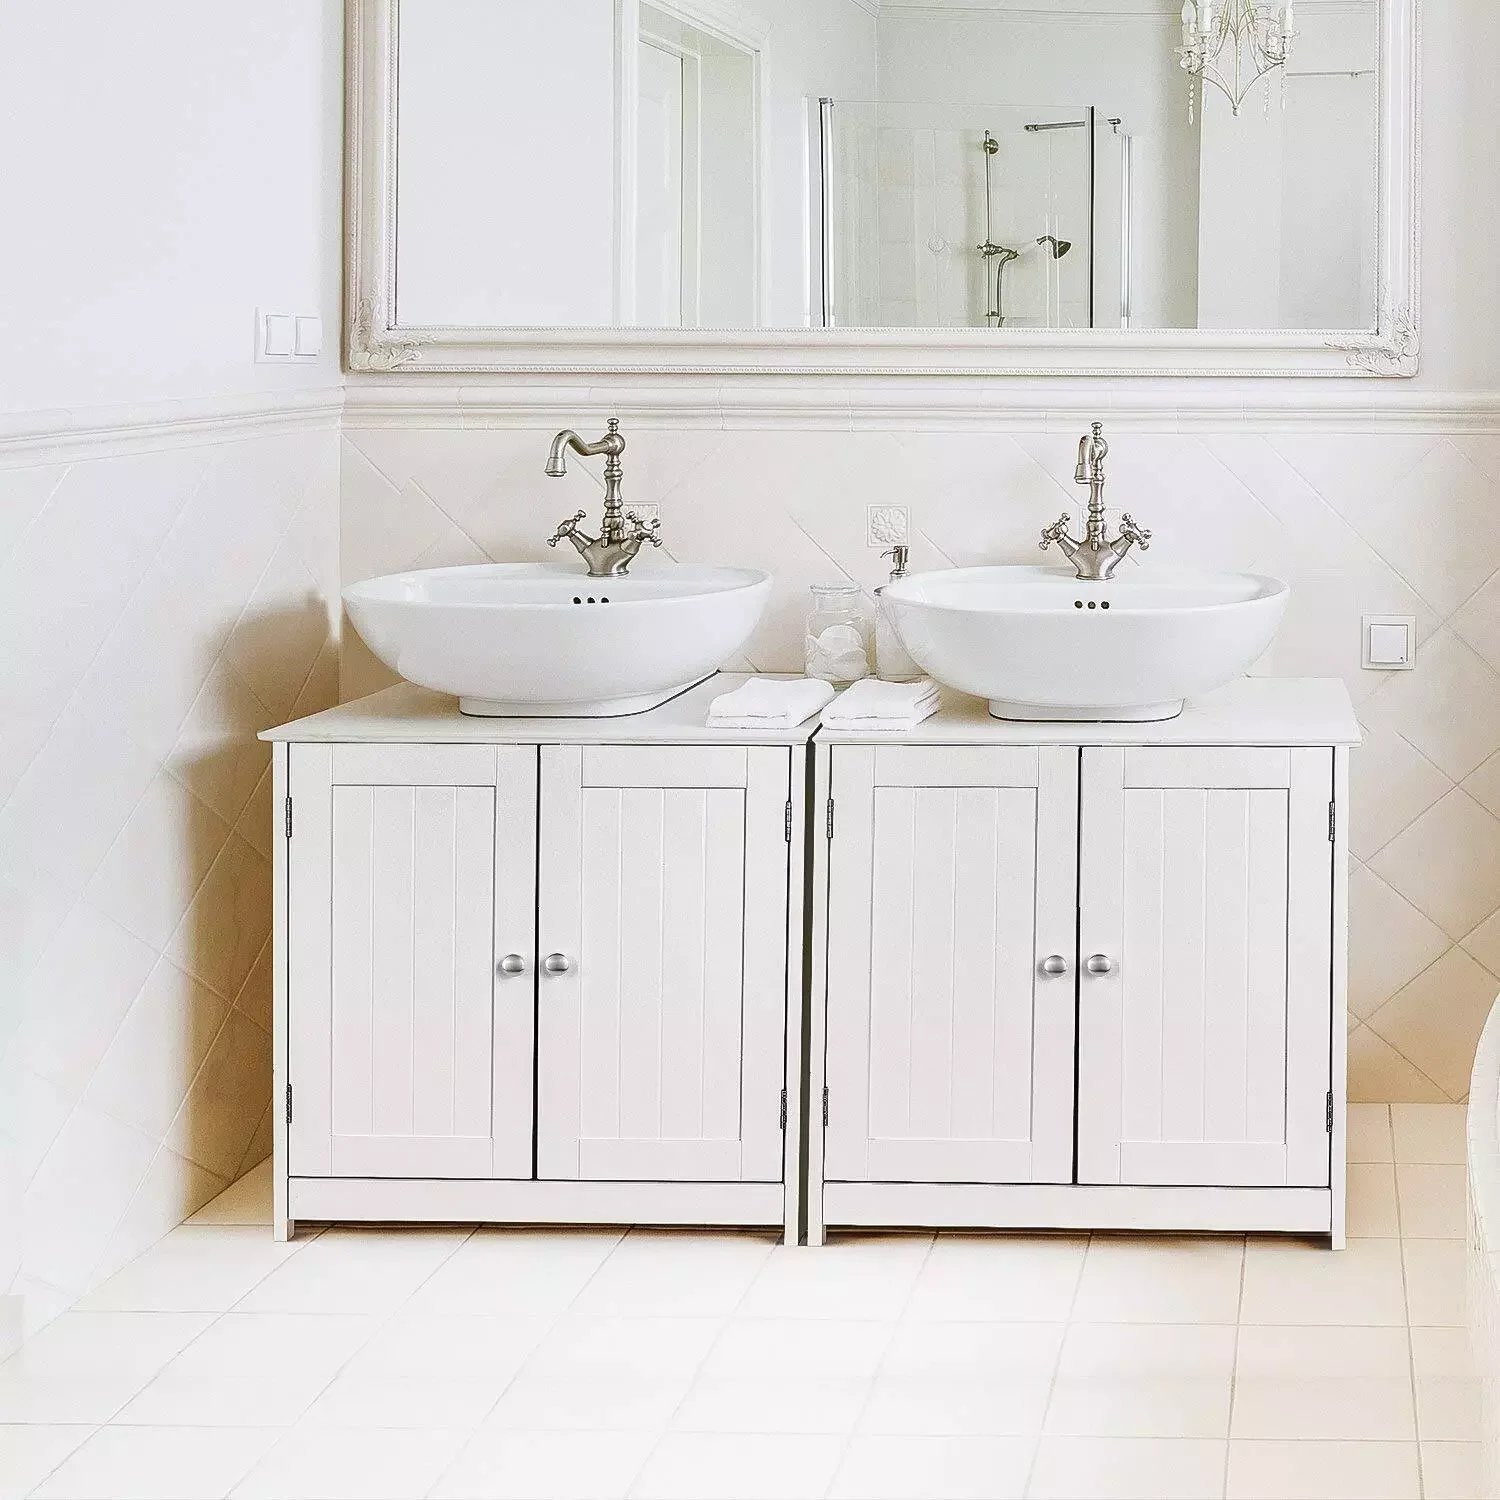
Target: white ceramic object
<point>523,640</point>
<point>1040,644</point>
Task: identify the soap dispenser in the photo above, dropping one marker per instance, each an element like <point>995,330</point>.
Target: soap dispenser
<point>893,662</point>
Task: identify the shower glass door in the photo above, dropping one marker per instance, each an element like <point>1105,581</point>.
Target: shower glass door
<point>958,216</point>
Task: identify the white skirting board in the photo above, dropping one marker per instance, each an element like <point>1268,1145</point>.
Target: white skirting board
<point>982,1206</point>
<point>384,1200</point>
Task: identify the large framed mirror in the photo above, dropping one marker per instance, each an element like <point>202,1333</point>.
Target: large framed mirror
<point>1029,187</point>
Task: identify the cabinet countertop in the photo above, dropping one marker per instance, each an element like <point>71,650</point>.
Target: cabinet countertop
<point>410,715</point>
<point>1279,711</point>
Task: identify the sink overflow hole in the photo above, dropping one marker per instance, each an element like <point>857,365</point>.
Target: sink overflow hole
<point>1093,604</point>
<point>603,599</point>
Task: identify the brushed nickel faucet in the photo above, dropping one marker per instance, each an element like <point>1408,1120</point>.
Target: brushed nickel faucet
<point>1096,557</point>
<point>623,534</point>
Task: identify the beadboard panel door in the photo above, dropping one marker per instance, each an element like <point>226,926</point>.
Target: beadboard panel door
<point>418,1055</point>
<point>950,1051</point>
<point>663,884</point>
<point>1204,1051</point>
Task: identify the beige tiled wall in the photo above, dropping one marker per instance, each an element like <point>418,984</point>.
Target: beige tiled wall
<point>1377,522</point>
<point>161,606</point>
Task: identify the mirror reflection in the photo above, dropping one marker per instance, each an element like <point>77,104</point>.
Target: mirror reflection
<point>1000,164</point>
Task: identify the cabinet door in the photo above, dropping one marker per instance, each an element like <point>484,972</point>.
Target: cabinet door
<point>952,880</point>
<point>1206,880</point>
<point>411,873</point>
<point>663,887</point>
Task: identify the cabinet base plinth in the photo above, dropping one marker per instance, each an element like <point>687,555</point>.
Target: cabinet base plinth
<point>406,1200</point>
<point>1041,713</point>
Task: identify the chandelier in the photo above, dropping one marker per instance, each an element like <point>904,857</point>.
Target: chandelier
<point>1233,44</point>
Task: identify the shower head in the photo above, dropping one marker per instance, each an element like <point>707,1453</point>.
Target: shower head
<point>1059,247</point>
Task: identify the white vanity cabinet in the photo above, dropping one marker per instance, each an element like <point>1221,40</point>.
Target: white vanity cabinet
<point>1084,975</point>
<point>537,970</point>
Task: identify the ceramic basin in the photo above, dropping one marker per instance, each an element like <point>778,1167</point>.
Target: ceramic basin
<point>1040,644</point>
<point>538,640</point>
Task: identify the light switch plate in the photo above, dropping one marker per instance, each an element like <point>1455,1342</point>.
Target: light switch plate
<point>1389,643</point>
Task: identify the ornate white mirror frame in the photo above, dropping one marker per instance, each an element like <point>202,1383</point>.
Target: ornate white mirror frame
<point>375,342</point>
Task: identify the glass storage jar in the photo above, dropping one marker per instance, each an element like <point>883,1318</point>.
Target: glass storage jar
<point>839,639</point>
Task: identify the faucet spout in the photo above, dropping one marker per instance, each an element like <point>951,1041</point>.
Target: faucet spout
<point>1096,557</point>
<point>623,533</point>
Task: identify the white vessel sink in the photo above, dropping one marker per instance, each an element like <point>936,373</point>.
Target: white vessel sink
<point>1041,644</point>
<point>539,640</point>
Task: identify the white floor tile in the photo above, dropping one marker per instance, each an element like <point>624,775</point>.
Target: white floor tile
<point>1170,1350</point>
<point>1299,1281</point>
<point>1270,1352</point>
<point>1430,1133</point>
<point>1436,1279</point>
<point>1450,1411</point>
<point>516,1272</point>
<point>449,1348</point>
<point>195,1269</point>
<point>853,1278</point>
<point>1069,1468</point>
<point>1452,1471</point>
<point>83,1367</point>
<point>251,1370</point>
<point>1147,1406</point>
<point>1369,1133</point>
<point>570,1404</point>
<point>790,1402</point>
<point>1372,1201</point>
<point>28,1454</point>
<point>624,1348</point>
<point>738,1466</point>
<point>1434,1201</point>
<point>999,1278</point>
<point>809,1346</point>
<point>158,1463</point>
<point>354,1271</point>
<point>957,1405</point>
<point>247,1201</point>
<point>934,1468</point>
<point>1323,1471</point>
<point>1442,1354</point>
<point>337,1464</point>
<point>1150,1279</point>
<point>355,1400</point>
<point>973,1350</point>
<point>545,1466</point>
<point>657,1273</point>
<point>1331,1408</point>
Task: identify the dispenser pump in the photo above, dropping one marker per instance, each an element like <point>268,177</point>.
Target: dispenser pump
<point>898,555</point>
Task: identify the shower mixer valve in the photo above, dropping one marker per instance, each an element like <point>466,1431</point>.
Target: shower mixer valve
<point>1095,558</point>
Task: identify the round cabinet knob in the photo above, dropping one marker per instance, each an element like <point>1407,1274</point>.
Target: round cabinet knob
<point>557,963</point>
<point>512,963</point>
<point>1100,963</point>
<point>1056,966</point>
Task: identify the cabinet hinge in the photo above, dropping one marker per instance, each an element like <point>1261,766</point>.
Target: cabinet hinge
<point>289,1104</point>
<point>783,1109</point>
<point>789,820</point>
<point>1333,822</point>
<point>289,817</point>
<point>830,818</point>
<point>825,1106</point>
<point>1328,1117</point>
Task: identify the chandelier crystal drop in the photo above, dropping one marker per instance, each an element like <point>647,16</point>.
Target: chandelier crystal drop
<point>1233,44</point>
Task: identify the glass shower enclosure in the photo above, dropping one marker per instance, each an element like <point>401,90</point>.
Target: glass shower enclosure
<point>972,216</point>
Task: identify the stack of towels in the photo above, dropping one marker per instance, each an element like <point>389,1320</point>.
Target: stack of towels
<point>870,706</point>
<point>875,707</point>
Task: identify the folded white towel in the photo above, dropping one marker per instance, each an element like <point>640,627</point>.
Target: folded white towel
<point>769,703</point>
<point>872,704</point>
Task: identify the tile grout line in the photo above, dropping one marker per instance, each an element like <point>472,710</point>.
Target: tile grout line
<point>1036,1447</point>
<point>864,1406</point>
<point>520,1369</point>
<point>1234,1364</point>
<point>1411,1353</point>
